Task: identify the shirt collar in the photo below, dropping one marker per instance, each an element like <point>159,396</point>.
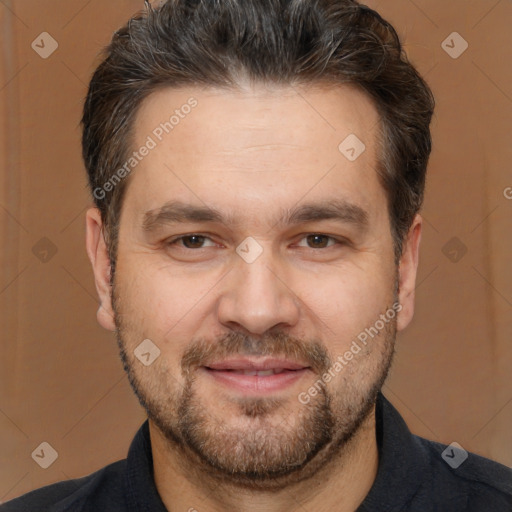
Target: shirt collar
<point>402,462</point>
<point>141,491</point>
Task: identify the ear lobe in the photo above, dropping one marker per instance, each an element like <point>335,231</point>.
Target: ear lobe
<point>407,273</point>
<point>98,255</point>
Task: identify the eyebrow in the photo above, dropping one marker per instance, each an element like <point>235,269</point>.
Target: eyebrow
<point>174,212</point>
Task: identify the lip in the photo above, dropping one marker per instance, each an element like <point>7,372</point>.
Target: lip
<point>256,364</point>
<point>227,373</point>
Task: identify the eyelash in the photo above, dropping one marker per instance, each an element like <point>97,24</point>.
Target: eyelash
<point>182,237</point>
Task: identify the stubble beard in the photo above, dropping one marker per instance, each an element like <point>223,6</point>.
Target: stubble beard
<point>270,451</point>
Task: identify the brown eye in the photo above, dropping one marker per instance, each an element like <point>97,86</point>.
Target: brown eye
<point>318,241</point>
<point>193,241</point>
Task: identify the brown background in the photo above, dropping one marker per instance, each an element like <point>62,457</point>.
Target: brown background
<point>61,381</point>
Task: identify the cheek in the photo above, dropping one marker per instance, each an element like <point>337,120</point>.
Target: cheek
<point>347,304</point>
<point>158,302</point>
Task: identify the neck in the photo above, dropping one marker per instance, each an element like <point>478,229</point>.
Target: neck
<point>340,485</point>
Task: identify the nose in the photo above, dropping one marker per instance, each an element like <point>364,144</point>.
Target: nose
<point>257,298</point>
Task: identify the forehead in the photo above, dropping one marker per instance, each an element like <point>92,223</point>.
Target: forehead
<point>256,147</point>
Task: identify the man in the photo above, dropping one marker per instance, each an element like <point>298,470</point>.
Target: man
<point>257,169</point>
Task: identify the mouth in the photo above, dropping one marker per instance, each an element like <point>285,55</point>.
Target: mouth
<point>259,373</point>
<point>256,376</point>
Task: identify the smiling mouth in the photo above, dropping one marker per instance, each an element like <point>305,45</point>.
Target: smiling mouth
<point>259,373</point>
<point>256,365</point>
<point>253,376</point>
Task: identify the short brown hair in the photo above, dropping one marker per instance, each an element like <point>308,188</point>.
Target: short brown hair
<point>283,42</point>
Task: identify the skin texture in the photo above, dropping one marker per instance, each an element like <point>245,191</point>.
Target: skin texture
<point>254,154</point>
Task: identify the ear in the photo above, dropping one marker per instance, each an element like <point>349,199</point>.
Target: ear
<point>407,273</point>
<point>98,255</point>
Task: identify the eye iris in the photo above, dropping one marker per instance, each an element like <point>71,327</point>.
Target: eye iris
<point>199,241</point>
<point>316,238</point>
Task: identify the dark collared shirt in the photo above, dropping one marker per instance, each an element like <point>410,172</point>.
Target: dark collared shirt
<point>413,475</point>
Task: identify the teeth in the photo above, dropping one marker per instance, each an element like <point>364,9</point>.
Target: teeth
<point>259,373</point>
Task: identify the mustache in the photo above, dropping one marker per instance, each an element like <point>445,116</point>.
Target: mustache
<point>202,352</point>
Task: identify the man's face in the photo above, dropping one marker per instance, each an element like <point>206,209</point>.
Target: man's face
<point>247,327</point>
